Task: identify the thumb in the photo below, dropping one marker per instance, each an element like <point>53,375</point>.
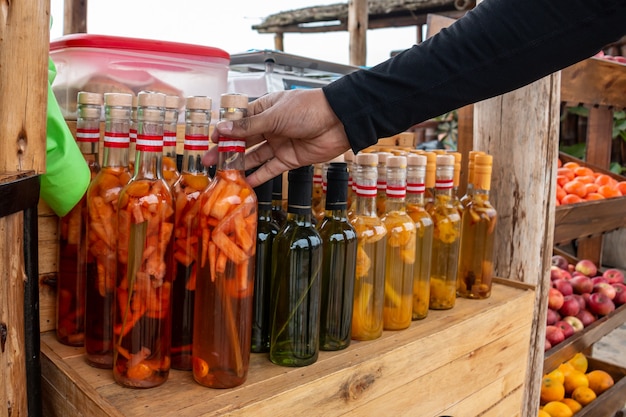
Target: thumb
<point>242,128</point>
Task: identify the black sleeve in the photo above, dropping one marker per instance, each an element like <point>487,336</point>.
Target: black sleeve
<point>497,47</point>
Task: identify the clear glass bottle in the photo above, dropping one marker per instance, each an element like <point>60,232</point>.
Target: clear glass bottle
<point>278,212</point>
<point>170,125</point>
<point>369,285</point>
<point>132,130</point>
<point>267,229</point>
<point>478,225</point>
<point>142,316</point>
<point>296,279</point>
<point>415,189</point>
<point>70,299</point>
<point>381,185</point>
<point>338,262</point>
<point>456,201</point>
<point>225,283</point>
<point>429,180</point>
<point>470,178</point>
<point>446,238</point>
<point>102,198</point>
<point>317,199</point>
<point>400,258</point>
<point>194,178</point>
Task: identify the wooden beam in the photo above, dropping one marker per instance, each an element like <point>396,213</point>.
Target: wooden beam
<point>75,17</point>
<point>357,29</point>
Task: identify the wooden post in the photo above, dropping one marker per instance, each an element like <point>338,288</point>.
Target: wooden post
<point>279,44</point>
<point>357,28</point>
<point>75,16</point>
<point>520,129</point>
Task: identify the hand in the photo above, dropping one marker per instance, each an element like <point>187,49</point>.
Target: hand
<point>283,131</point>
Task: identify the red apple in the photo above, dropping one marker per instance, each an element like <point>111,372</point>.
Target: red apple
<point>554,335</point>
<point>613,276</point>
<point>552,317</point>
<point>571,268</point>
<point>560,261</point>
<point>558,273</point>
<point>606,289</point>
<point>567,328</point>
<point>570,306</point>
<point>600,304</point>
<point>587,267</point>
<point>575,322</point>
<point>620,294</point>
<point>564,286</point>
<point>555,299</point>
<point>598,279</point>
<point>580,299</point>
<point>547,346</point>
<point>586,316</point>
<point>581,284</point>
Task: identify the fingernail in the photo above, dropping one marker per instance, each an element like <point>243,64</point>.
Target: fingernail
<point>225,126</point>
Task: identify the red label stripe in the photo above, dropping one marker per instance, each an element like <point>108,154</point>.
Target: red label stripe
<point>150,143</point>
<point>444,184</point>
<point>366,190</point>
<point>415,188</point>
<point>116,140</point>
<point>133,135</point>
<point>317,179</point>
<point>381,185</point>
<point>396,191</point>
<point>87,135</point>
<point>231,145</point>
<point>196,143</point>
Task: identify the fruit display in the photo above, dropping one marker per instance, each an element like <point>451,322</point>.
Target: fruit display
<point>576,183</point>
<point>571,386</point>
<point>579,295</point>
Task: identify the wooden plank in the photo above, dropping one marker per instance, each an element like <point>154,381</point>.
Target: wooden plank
<point>357,30</point>
<point>594,81</point>
<point>74,16</point>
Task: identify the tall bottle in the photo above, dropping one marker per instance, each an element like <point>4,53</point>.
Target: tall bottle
<point>400,258</point>
<point>170,124</point>
<point>415,189</point>
<point>446,238</point>
<point>381,184</point>
<point>470,177</point>
<point>225,283</point>
<point>278,212</point>
<point>142,317</point>
<point>70,303</point>
<point>132,130</point>
<point>456,179</point>
<point>102,198</point>
<point>194,178</point>
<point>338,262</point>
<point>369,285</point>
<point>478,225</point>
<point>296,282</point>
<point>430,179</point>
<point>267,229</point>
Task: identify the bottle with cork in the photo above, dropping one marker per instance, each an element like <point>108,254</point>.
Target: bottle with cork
<point>430,179</point>
<point>170,125</point>
<point>470,178</point>
<point>456,201</point>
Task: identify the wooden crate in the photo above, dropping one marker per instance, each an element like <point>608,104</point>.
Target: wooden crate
<point>612,400</point>
<point>467,361</point>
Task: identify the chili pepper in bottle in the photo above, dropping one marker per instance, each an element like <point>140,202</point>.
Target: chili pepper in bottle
<point>142,316</point>
<point>478,225</point>
<point>446,238</point>
<point>278,212</point>
<point>170,124</point>
<point>400,258</point>
<point>317,199</point>
<point>102,198</point>
<point>369,285</point>
<point>470,178</point>
<point>194,178</point>
<point>415,189</point>
<point>296,286</point>
<point>338,262</point>
<point>225,282</point>
<point>70,299</point>
<point>430,180</point>
<point>132,131</point>
<point>381,185</point>
<point>267,229</point>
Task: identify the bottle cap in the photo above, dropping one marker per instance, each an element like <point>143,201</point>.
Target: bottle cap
<point>172,102</point>
<point>337,191</point>
<point>277,187</point>
<point>431,168</point>
<point>396,162</point>
<point>150,99</point>
<point>234,100</point>
<point>383,156</point>
<point>482,171</point>
<point>118,99</point>
<point>300,190</point>
<point>198,103</point>
<point>367,159</point>
<point>445,160</point>
<point>414,160</point>
<point>86,97</point>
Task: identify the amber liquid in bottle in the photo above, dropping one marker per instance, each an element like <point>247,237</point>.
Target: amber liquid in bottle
<point>465,199</point>
<point>170,170</point>
<point>381,184</point>
<point>429,180</point>
<point>369,284</point>
<point>446,238</point>
<point>477,236</point>
<point>194,178</point>
<point>102,198</point>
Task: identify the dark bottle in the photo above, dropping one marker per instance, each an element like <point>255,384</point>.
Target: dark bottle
<point>267,229</point>
<point>278,212</point>
<point>339,244</point>
<point>296,286</point>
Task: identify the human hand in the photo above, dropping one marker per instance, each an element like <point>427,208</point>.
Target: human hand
<point>283,131</point>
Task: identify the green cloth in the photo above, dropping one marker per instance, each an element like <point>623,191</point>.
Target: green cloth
<point>67,173</point>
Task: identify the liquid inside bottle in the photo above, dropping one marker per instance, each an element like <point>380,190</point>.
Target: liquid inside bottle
<point>381,184</point>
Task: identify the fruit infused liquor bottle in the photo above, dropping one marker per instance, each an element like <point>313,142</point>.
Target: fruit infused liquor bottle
<point>369,284</point>
<point>70,302</point>
<point>278,212</point>
<point>170,170</point>
<point>348,158</point>
<point>132,131</point>
<point>142,317</point>
<point>478,225</point>
<point>225,283</point>
<point>446,238</point>
<point>193,179</point>
<point>400,258</point>
<point>381,184</point>
<point>102,198</point>
<point>469,190</point>
<point>429,180</point>
<point>296,279</point>
<point>415,189</point>
<point>338,262</point>
<point>456,179</point>
<point>267,229</point>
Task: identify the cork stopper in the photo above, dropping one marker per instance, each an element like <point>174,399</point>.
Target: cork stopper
<point>414,160</point>
<point>431,169</point>
<point>198,103</point>
<point>150,99</point>
<point>457,168</point>
<point>445,160</point>
<point>348,156</point>
<point>234,100</point>
<point>383,156</point>
<point>118,99</point>
<point>86,97</point>
<point>396,162</point>
<point>134,101</point>
<point>172,102</point>
<point>439,151</point>
<point>483,165</point>
<point>367,159</point>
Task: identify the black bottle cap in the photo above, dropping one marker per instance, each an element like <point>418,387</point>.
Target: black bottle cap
<point>277,187</point>
<point>264,194</point>
<point>337,186</point>
<point>300,190</point>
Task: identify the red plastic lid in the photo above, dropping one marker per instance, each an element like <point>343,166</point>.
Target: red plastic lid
<point>84,40</point>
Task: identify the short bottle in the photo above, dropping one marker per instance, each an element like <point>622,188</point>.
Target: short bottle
<point>400,258</point>
<point>170,125</point>
<point>296,280</point>
<point>381,184</point>
<point>478,225</point>
<point>339,245</point>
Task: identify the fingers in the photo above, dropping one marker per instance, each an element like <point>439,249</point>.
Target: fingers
<point>210,157</point>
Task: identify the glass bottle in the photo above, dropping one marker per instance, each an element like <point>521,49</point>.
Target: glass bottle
<point>456,201</point>
<point>142,317</point>
<point>338,262</point>
<point>296,286</point>
<point>70,298</point>
<point>194,178</point>
<point>225,283</point>
<point>429,180</point>
<point>478,225</point>
<point>170,125</point>
<point>446,238</point>
<point>317,199</point>
<point>400,258</point>
<point>381,184</point>
<point>369,285</point>
<point>415,189</point>
<point>267,229</point>
<point>102,197</point>
<point>470,177</point>
<point>348,158</point>
<point>132,130</point>
<point>278,212</point>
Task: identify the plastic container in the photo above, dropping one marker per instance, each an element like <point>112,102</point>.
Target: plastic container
<point>109,64</point>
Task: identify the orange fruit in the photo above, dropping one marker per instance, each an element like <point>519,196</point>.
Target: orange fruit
<point>571,165</point>
<point>562,180</point>
<point>569,173</point>
<point>608,191</point>
<point>575,187</point>
<point>583,395</point>
<point>542,413</point>
<point>557,409</point>
<point>603,179</point>
<point>560,192</point>
<point>551,390</point>
<point>621,186</point>
<point>579,362</point>
<point>559,163</point>
<point>599,381</point>
<point>557,375</point>
<point>571,199</point>
<point>591,187</point>
<point>573,380</point>
<point>594,197</point>
<point>573,405</point>
<point>583,171</point>
<point>586,179</point>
